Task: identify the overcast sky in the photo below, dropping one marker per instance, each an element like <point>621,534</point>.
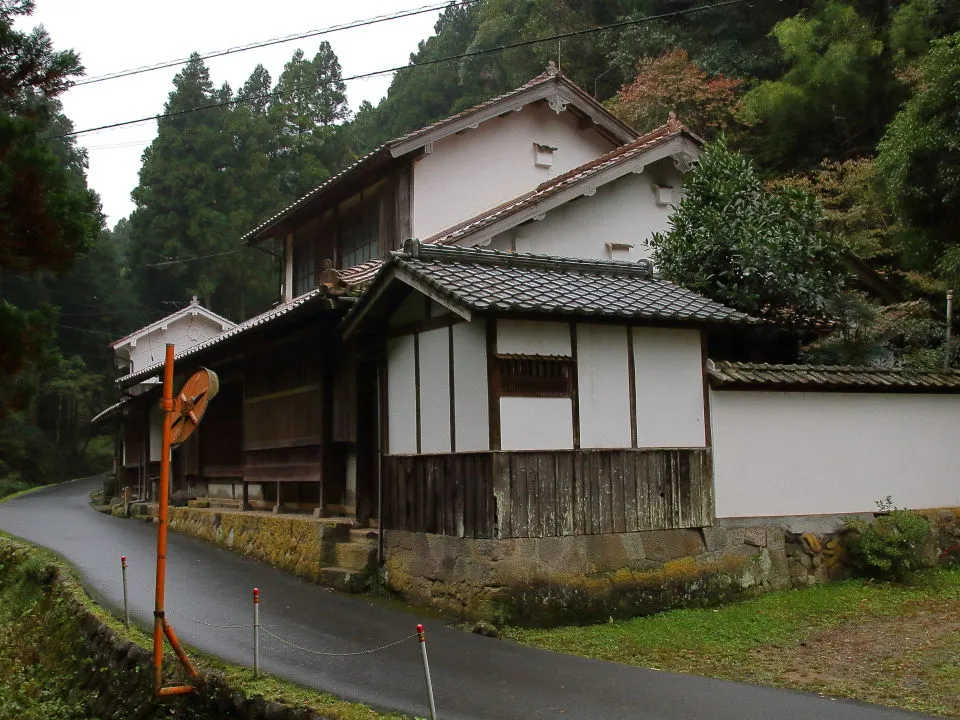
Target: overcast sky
<point>113,35</point>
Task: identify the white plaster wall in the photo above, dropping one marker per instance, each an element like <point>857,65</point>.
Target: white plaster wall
<point>794,453</point>
<point>603,379</point>
<point>471,404</point>
<point>623,211</point>
<point>470,173</point>
<point>401,396</point>
<point>531,337</point>
<point>184,333</point>
<point>536,423</point>
<point>435,391</point>
<point>669,387</point>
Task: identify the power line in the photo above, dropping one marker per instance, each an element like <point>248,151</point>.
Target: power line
<point>277,41</point>
<point>425,63</point>
<point>191,259</point>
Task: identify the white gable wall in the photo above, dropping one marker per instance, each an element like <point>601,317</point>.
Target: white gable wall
<point>467,174</point>
<point>184,333</point>
<point>622,211</point>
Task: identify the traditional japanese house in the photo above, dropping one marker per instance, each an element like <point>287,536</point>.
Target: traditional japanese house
<point>138,415</point>
<point>542,168</point>
<point>529,396</point>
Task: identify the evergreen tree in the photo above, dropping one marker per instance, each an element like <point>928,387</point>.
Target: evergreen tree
<point>47,214</point>
<point>255,92</point>
<point>919,161</point>
<point>309,100</point>
<point>837,94</point>
<point>182,203</point>
<point>761,251</point>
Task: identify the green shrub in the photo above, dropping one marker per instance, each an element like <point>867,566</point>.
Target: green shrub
<point>891,547</point>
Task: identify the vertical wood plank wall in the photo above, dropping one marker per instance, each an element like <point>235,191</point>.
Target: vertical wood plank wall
<point>547,494</point>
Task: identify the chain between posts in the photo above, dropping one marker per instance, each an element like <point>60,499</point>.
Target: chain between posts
<point>264,629</point>
<point>338,654</point>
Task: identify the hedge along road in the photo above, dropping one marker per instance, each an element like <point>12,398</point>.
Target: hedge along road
<point>473,676</point>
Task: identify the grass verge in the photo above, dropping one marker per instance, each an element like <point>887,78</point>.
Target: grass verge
<point>889,644</point>
<point>40,655</point>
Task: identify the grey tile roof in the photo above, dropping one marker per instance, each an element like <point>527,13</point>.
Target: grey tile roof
<point>353,278</point>
<point>503,282</point>
<point>829,377</point>
<point>109,412</point>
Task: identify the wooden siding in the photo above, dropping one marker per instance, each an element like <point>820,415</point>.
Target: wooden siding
<point>302,464</point>
<point>135,439</point>
<point>548,494</point>
<point>221,434</point>
<point>282,404</point>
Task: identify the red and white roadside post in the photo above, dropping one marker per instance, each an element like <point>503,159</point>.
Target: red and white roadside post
<point>256,632</point>
<point>426,671</point>
<point>126,606</point>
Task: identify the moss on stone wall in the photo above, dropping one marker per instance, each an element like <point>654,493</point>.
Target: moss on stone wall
<point>680,583</point>
<point>557,580</point>
<point>301,546</point>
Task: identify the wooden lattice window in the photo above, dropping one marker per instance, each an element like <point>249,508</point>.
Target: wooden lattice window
<point>536,375</point>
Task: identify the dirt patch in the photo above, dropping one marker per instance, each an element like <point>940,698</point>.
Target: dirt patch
<point>910,661</point>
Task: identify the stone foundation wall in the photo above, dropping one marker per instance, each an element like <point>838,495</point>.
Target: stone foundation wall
<point>545,581</point>
<point>554,580</point>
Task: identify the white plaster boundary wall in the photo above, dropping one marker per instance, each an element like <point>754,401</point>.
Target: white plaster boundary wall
<point>808,453</point>
<point>603,381</point>
<point>669,388</point>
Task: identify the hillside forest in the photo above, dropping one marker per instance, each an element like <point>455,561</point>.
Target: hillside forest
<point>828,197</point>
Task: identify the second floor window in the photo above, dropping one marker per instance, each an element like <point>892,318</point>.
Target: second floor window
<point>360,236</point>
<point>304,267</point>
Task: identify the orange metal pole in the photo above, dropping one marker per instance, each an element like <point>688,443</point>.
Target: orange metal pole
<point>180,652</point>
<point>158,613</point>
<point>160,625</point>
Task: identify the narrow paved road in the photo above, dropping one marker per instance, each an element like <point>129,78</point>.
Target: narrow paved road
<point>474,677</point>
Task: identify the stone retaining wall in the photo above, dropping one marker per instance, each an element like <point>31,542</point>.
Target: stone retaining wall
<point>546,581</point>
<point>559,580</point>
<point>299,545</point>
